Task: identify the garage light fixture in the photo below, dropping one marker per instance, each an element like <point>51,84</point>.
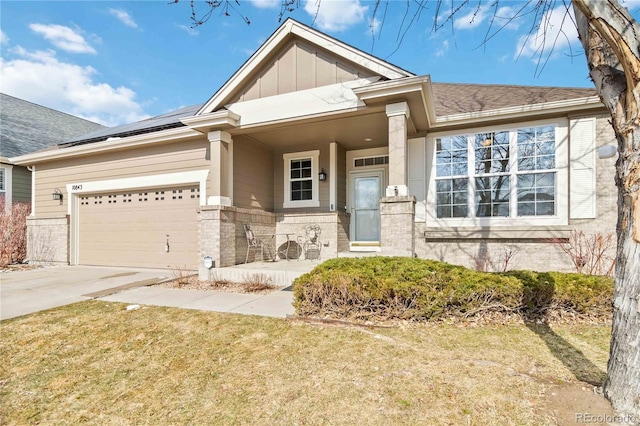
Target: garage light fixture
<point>57,195</point>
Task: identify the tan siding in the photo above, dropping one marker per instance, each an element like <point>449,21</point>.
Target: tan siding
<point>152,160</point>
<point>298,66</point>
<point>278,170</point>
<point>326,73</point>
<point>269,81</point>
<point>287,72</point>
<point>21,178</point>
<point>306,75</point>
<point>252,174</point>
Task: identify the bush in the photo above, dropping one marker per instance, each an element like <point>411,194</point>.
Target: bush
<point>13,233</point>
<point>416,289</point>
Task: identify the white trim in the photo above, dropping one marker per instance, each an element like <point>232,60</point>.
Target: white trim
<point>32,169</point>
<point>151,181</point>
<point>288,28</point>
<point>7,170</point>
<point>315,159</point>
<point>561,191</point>
<point>143,140</point>
<point>333,180</point>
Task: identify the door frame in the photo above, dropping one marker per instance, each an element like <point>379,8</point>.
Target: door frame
<point>372,172</point>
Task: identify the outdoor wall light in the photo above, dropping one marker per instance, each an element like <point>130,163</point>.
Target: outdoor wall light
<point>322,176</point>
<point>57,195</point>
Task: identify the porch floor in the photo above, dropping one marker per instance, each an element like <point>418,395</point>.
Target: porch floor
<point>280,273</point>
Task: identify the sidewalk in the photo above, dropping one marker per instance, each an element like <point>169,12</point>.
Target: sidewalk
<point>276,304</point>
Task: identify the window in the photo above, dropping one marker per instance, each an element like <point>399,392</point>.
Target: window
<point>492,176</point>
<point>3,179</point>
<point>301,179</point>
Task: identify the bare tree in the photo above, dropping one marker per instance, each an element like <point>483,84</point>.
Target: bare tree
<point>609,36</point>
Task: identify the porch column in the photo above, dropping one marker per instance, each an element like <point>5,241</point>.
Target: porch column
<point>221,163</point>
<point>398,115</point>
<point>397,225</point>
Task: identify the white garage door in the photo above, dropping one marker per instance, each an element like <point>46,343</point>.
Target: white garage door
<point>143,228</point>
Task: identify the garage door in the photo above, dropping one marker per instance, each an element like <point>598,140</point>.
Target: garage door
<point>144,228</point>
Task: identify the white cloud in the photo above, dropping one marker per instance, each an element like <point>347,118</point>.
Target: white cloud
<point>505,18</point>
<point>471,20</point>
<point>3,38</point>
<point>443,49</point>
<point>555,33</point>
<point>333,15</point>
<point>124,17</point>
<point>63,38</point>
<point>67,87</point>
<point>266,4</point>
<point>187,29</point>
<point>374,26</point>
<point>631,4</point>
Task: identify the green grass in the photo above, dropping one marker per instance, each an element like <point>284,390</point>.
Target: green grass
<point>96,363</point>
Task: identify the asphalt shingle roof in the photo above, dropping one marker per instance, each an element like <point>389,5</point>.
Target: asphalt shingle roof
<point>165,121</point>
<point>26,127</point>
<point>451,98</point>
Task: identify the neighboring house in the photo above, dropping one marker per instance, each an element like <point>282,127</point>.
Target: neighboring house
<point>414,168</point>
<point>24,128</point>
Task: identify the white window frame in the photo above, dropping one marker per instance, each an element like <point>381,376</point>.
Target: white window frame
<point>314,156</point>
<point>3,172</point>
<point>561,216</point>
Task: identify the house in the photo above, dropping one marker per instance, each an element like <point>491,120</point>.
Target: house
<point>313,131</point>
<point>24,128</point>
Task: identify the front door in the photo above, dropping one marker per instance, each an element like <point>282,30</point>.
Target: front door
<point>365,209</point>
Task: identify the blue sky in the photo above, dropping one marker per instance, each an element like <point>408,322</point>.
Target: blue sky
<point>118,62</point>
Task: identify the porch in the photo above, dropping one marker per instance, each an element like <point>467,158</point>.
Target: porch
<point>280,273</point>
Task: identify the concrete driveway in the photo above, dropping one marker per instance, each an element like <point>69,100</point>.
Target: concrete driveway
<point>28,291</point>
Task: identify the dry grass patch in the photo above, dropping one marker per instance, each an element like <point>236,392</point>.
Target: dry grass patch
<point>97,363</point>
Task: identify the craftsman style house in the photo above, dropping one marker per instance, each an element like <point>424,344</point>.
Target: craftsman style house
<point>313,131</point>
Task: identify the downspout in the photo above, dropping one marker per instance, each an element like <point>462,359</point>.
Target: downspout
<point>32,169</point>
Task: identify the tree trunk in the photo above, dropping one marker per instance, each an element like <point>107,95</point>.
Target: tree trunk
<point>609,36</point>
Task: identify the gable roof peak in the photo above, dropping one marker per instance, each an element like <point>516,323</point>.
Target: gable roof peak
<point>290,30</point>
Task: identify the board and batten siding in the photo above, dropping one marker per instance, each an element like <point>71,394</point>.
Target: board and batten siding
<point>417,175</point>
<point>151,160</point>
<point>252,174</point>
<point>299,66</point>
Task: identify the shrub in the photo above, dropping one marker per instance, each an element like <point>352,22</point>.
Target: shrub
<point>13,233</point>
<point>416,289</point>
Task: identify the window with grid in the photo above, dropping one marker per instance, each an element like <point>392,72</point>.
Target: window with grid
<point>301,179</point>
<point>507,174</point>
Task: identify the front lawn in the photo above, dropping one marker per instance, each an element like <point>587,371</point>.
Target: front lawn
<point>96,362</point>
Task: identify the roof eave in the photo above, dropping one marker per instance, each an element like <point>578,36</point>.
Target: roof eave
<point>163,136</point>
<point>569,105</point>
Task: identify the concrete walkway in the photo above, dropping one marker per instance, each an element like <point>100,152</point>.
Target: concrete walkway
<point>28,291</point>
<point>276,304</point>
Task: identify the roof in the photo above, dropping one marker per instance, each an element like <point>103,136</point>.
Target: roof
<point>451,98</point>
<point>167,120</point>
<point>26,127</point>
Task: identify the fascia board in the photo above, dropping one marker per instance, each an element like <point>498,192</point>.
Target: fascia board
<point>163,136</point>
<point>344,50</point>
<point>219,119</point>
<point>570,105</point>
<point>390,88</point>
<point>291,27</point>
